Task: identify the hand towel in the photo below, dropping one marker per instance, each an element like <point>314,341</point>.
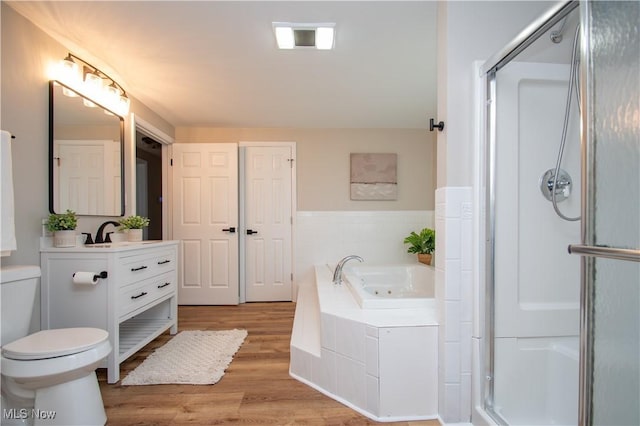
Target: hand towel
<point>7,210</point>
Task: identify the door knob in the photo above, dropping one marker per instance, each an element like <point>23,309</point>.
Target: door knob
<point>231,229</point>
<point>250,231</point>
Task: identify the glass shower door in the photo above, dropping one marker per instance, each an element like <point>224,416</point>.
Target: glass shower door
<point>610,351</point>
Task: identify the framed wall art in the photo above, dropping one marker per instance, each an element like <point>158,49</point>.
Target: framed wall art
<point>374,176</point>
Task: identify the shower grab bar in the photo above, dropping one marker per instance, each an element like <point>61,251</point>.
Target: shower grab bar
<point>606,252</point>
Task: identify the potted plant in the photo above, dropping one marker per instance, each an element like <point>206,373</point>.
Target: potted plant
<point>423,244</point>
<point>133,225</point>
<point>63,226</point>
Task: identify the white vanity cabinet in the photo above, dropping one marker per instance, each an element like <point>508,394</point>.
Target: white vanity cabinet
<point>136,302</point>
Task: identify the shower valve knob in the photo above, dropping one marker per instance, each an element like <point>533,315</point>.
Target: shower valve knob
<point>563,185</point>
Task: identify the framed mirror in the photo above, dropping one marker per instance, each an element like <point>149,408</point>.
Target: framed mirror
<point>86,155</point>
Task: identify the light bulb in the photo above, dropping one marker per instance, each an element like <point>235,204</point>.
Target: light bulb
<point>124,105</point>
<point>69,93</point>
<point>112,94</point>
<point>69,72</point>
<point>94,87</point>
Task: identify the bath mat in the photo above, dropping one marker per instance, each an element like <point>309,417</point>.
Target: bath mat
<point>191,357</point>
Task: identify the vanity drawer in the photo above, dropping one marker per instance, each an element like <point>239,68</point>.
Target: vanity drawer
<point>144,292</point>
<point>139,267</point>
<point>164,285</point>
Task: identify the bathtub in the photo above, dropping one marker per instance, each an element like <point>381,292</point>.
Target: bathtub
<point>391,286</point>
<point>383,363</point>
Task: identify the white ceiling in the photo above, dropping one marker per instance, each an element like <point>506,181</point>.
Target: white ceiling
<point>215,63</point>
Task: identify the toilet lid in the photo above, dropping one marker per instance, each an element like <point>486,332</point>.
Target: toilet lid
<point>54,343</point>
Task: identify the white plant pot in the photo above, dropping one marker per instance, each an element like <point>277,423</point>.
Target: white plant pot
<point>134,235</point>
<point>64,238</point>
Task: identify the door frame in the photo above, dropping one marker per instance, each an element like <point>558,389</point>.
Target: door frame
<point>139,124</point>
<point>242,145</point>
<point>483,387</point>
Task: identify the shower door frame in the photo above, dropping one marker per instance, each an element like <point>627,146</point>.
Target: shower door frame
<point>587,248</point>
<point>489,69</point>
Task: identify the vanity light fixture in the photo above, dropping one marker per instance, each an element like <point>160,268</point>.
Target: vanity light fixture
<point>300,36</point>
<point>92,83</point>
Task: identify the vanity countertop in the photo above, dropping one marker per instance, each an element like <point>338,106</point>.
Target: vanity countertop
<point>109,247</point>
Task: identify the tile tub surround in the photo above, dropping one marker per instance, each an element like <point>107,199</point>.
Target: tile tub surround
<point>455,299</point>
<point>324,237</point>
<point>380,362</point>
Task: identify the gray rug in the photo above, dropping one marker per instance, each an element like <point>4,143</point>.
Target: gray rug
<point>191,357</point>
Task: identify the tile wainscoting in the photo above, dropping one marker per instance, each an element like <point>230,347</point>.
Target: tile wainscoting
<point>324,237</point>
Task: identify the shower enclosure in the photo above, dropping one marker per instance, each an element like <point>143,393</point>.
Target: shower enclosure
<point>563,220</point>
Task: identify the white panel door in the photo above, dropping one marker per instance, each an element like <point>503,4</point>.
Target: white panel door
<point>205,215</point>
<point>268,222</point>
<point>87,181</point>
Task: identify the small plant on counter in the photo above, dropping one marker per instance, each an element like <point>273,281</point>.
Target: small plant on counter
<point>134,222</point>
<point>67,221</point>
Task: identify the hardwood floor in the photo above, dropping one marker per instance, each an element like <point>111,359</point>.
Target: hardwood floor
<point>256,388</point>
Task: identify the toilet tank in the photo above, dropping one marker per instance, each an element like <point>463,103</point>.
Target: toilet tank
<point>18,286</point>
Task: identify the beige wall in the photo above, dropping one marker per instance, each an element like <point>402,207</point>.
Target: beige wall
<point>458,49</point>
<point>323,162</point>
<point>323,155</point>
<point>88,132</point>
<point>27,54</point>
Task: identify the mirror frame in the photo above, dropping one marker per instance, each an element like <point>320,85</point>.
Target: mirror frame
<point>52,84</point>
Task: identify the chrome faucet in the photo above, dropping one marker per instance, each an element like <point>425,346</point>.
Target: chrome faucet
<point>337,274</point>
<point>99,235</point>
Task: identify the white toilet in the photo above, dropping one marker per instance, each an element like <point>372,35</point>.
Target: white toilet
<point>47,377</point>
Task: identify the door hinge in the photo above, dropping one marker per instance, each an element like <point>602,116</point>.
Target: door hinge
<point>171,162</point>
<point>292,277</point>
<point>290,160</point>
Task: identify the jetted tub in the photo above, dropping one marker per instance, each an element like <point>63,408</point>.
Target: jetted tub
<point>383,363</point>
<point>391,286</point>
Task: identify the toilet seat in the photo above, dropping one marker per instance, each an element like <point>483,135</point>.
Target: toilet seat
<point>48,344</point>
<point>36,371</point>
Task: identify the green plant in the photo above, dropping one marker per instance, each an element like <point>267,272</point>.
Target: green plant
<point>134,222</point>
<point>422,243</point>
<point>66,221</point>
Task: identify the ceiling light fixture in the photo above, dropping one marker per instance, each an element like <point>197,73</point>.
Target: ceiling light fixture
<point>92,83</point>
<point>324,38</point>
<point>304,36</point>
